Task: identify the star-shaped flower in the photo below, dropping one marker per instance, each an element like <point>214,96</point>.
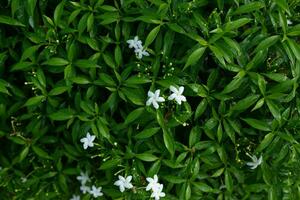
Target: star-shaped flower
<point>154,99</point>
<point>75,197</point>
<point>135,43</point>
<point>152,183</point>
<point>255,162</point>
<point>157,191</point>
<point>88,140</point>
<point>177,94</point>
<point>96,192</point>
<point>84,189</point>
<point>140,53</point>
<point>124,183</point>
<point>83,178</point>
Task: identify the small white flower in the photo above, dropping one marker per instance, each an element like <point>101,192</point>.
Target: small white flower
<point>255,162</point>
<point>177,94</point>
<point>157,191</point>
<point>83,178</point>
<point>124,183</point>
<point>88,140</point>
<point>140,53</point>
<point>96,192</point>
<point>154,99</point>
<point>84,189</point>
<point>152,182</point>
<point>23,179</point>
<point>289,22</point>
<point>135,43</point>
<point>75,197</point>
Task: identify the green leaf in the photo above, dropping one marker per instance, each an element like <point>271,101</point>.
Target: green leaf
<point>169,142</point>
<point>274,109</point>
<point>228,181</point>
<point>58,90</point>
<point>201,108</point>
<point>34,100</point>
<point>134,115</point>
<point>203,186</point>
<point>283,4</point>
<point>10,21</point>
<point>151,36</point>
<point>194,57</point>
<point>265,142</point>
<point>249,7</point>
<point>56,62</point>
<point>85,64</point>
<point>110,164</point>
<point>229,131</point>
<point>229,26</point>
<point>23,154</point>
<point>29,52</point>
<point>266,43</point>
<point>62,115</point>
<point>148,157</point>
<point>245,103</point>
<point>257,124</point>
<point>146,133</point>
<point>40,152</point>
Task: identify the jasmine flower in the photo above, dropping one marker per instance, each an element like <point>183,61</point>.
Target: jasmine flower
<point>157,191</point>
<point>255,162</point>
<point>124,183</point>
<point>83,178</point>
<point>177,94</point>
<point>140,53</point>
<point>152,182</point>
<point>135,43</point>
<point>84,189</point>
<point>88,140</point>
<point>154,99</point>
<point>96,192</point>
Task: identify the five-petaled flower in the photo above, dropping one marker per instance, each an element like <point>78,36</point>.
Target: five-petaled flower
<point>138,47</point>
<point>84,189</point>
<point>154,99</point>
<point>124,183</point>
<point>135,43</point>
<point>88,140</point>
<point>75,197</point>
<point>155,187</point>
<point>157,191</point>
<point>255,162</point>
<point>83,178</point>
<point>177,94</point>
<point>96,192</point>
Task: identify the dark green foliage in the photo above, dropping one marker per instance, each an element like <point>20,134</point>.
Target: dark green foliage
<point>66,69</point>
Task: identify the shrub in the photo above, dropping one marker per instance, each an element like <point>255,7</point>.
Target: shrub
<point>203,94</point>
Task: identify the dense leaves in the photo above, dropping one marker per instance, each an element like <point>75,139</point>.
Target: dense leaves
<point>66,69</point>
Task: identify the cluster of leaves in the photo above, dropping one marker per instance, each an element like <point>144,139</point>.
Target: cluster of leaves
<point>66,69</point>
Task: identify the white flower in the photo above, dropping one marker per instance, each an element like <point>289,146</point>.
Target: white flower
<point>289,22</point>
<point>75,197</point>
<point>83,178</point>
<point>88,140</point>
<point>154,99</point>
<point>140,53</point>
<point>135,43</point>
<point>152,182</point>
<point>124,183</point>
<point>23,179</point>
<point>157,191</point>
<point>177,94</point>
<point>96,192</point>
<point>84,189</point>
<point>255,162</point>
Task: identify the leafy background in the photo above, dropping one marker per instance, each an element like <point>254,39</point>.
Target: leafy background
<point>66,69</point>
